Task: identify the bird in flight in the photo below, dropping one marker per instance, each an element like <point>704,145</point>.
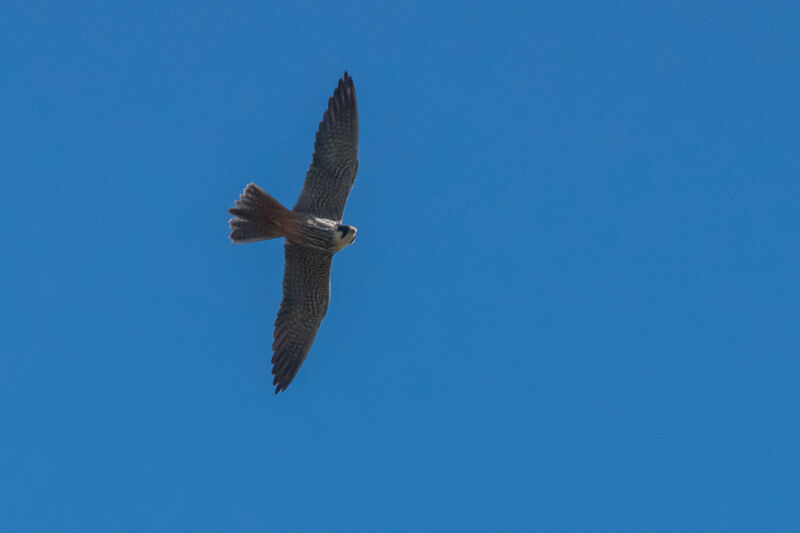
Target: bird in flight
<point>313,231</point>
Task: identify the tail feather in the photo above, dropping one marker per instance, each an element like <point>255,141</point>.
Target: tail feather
<point>258,216</point>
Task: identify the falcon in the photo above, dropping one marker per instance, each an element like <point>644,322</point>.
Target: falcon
<point>313,231</point>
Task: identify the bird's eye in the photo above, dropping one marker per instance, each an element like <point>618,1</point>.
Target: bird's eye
<point>343,230</point>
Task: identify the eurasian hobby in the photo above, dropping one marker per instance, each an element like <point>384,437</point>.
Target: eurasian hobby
<point>313,231</point>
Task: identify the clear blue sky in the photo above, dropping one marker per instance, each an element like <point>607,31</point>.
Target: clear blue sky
<point>572,304</point>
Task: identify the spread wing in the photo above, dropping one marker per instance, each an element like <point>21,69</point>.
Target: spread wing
<point>335,163</point>
<point>306,292</point>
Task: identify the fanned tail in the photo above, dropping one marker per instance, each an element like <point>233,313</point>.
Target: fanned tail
<point>258,216</point>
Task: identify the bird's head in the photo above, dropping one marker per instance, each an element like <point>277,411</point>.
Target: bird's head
<point>345,235</point>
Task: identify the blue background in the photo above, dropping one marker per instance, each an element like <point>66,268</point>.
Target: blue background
<point>572,304</point>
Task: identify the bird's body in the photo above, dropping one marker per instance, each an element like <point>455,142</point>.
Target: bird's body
<point>260,213</point>
<point>313,231</point>
<point>323,234</point>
